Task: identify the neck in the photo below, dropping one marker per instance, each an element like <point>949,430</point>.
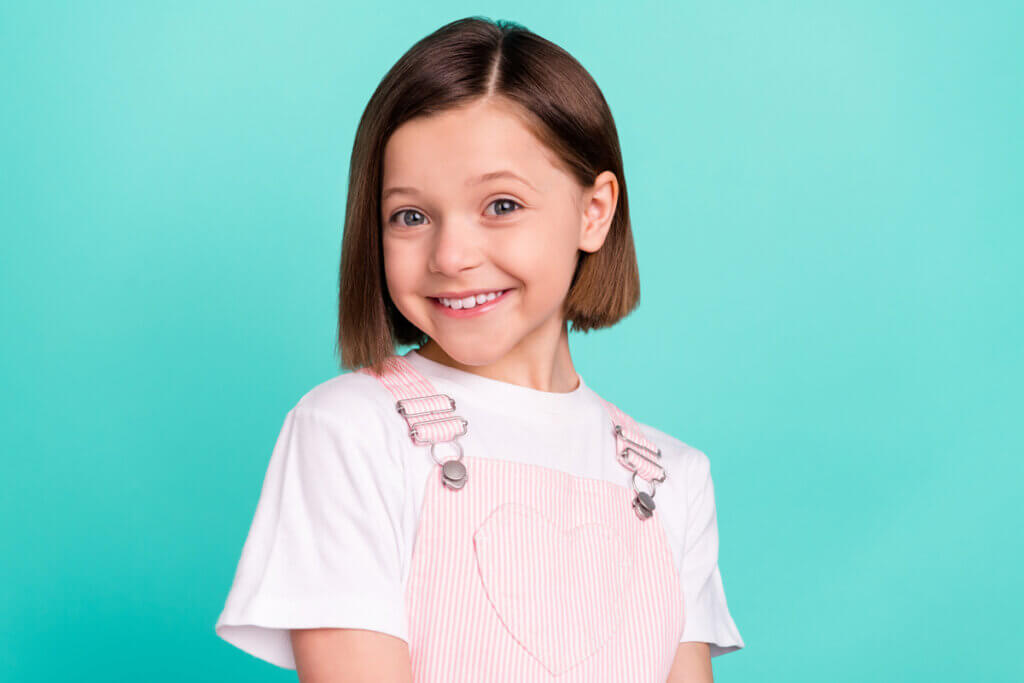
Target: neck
<point>544,369</point>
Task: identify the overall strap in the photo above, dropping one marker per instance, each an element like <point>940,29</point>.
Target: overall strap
<point>637,454</point>
<point>430,415</point>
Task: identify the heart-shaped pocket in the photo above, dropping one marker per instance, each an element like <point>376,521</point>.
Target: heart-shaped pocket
<point>559,592</point>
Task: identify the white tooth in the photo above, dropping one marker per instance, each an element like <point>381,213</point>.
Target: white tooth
<point>480,298</point>
<point>491,295</point>
<point>469,302</point>
<point>456,303</point>
<point>446,302</point>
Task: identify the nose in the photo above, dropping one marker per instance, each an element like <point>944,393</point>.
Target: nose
<point>455,248</point>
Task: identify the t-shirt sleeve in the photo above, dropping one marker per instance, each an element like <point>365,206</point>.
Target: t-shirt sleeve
<point>707,613</point>
<point>325,545</point>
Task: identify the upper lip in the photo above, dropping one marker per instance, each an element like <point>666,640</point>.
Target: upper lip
<point>468,292</point>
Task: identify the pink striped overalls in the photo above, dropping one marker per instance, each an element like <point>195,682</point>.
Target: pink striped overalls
<point>529,574</point>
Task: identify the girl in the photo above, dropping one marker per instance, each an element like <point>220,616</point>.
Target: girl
<point>471,510</point>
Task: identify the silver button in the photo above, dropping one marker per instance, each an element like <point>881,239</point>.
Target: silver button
<point>643,504</point>
<point>453,474</point>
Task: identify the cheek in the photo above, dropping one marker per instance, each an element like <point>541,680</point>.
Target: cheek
<point>400,269</point>
<point>543,259</point>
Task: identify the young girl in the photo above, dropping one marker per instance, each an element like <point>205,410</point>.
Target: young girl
<point>471,510</point>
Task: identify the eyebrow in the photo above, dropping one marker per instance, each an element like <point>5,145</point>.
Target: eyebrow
<point>493,175</point>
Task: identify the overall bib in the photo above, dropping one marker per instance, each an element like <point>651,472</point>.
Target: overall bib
<point>528,574</point>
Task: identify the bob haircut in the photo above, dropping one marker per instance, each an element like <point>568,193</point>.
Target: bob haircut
<point>560,104</point>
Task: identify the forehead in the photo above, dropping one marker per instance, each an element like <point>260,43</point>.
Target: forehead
<point>451,147</point>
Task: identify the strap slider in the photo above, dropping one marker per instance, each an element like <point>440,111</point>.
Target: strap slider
<point>404,412</point>
<point>415,433</point>
<point>656,452</point>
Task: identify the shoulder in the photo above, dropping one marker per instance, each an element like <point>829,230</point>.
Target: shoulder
<point>686,466</point>
<point>353,408</point>
<point>351,393</point>
<point>680,460</point>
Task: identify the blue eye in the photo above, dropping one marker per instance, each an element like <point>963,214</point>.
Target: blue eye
<point>399,213</point>
<point>506,201</point>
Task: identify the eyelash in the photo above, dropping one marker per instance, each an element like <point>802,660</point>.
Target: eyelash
<point>499,199</point>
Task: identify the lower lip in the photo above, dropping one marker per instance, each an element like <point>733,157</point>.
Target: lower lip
<point>479,309</point>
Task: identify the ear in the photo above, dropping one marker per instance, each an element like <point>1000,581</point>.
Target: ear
<point>599,201</point>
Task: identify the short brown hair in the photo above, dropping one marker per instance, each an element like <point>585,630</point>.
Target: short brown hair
<point>463,61</point>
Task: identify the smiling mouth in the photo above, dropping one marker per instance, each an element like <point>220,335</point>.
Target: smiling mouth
<point>469,302</point>
<point>469,306</point>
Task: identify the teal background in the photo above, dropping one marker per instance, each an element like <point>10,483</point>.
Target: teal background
<point>827,206</point>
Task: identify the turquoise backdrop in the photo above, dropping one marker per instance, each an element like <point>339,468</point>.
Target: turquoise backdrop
<point>827,202</point>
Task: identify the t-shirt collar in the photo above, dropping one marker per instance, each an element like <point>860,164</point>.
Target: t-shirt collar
<point>504,396</point>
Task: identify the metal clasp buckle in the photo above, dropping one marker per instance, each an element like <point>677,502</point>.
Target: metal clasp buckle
<point>453,418</point>
<point>453,471</point>
<point>641,451</point>
<point>643,502</point>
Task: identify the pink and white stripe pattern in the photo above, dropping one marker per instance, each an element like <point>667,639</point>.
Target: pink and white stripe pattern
<point>435,421</point>
<point>530,574</point>
<point>627,452</point>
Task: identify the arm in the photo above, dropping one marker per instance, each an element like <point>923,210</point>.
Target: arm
<point>348,655</point>
<point>692,664</point>
<point>709,628</point>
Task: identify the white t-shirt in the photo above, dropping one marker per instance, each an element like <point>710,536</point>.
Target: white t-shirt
<point>331,540</point>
